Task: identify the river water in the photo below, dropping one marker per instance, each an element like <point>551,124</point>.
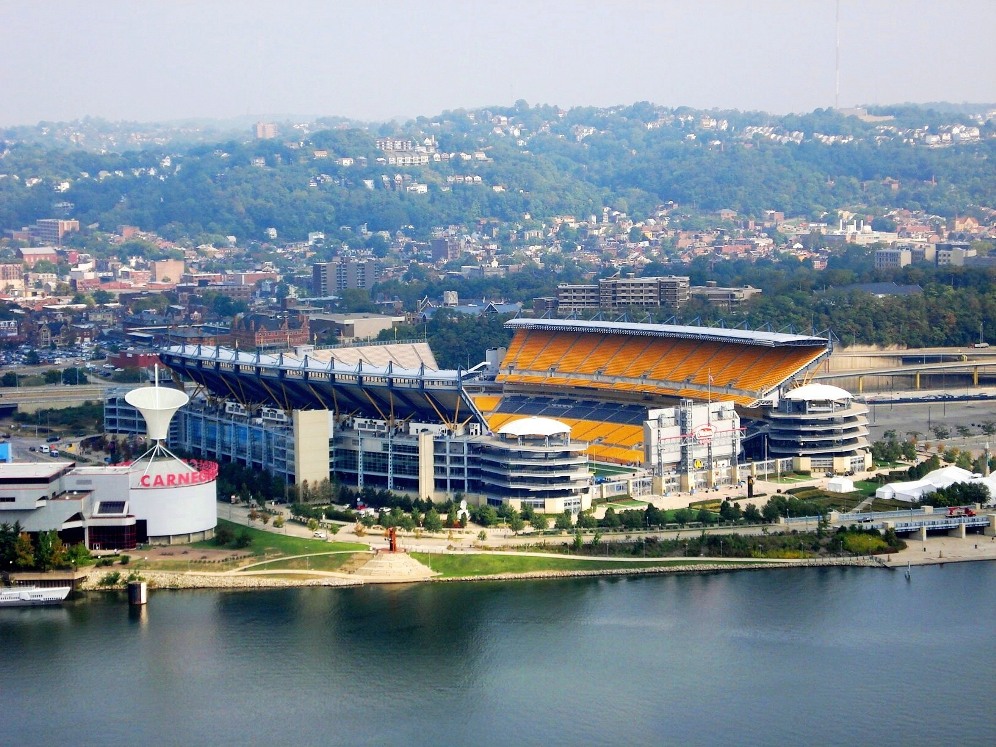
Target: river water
<point>821,656</point>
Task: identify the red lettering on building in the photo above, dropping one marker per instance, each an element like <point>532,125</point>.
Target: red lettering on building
<point>202,472</point>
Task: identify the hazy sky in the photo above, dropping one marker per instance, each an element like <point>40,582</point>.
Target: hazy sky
<point>374,59</point>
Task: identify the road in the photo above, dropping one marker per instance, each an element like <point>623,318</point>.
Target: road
<point>32,394</point>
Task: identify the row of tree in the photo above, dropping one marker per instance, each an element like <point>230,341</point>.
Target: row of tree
<point>46,552</point>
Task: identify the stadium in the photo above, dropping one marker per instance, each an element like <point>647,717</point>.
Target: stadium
<point>572,410</point>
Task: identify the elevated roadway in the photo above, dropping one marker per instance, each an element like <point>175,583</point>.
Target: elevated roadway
<point>861,370</point>
<point>56,396</point>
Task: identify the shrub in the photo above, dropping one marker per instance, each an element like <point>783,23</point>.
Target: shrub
<point>243,539</point>
<point>110,579</point>
<point>223,536</point>
<point>125,559</point>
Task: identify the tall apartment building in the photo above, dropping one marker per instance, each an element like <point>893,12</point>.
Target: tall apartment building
<point>265,130</point>
<point>328,277</point>
<point>445,249</point>
<point>52,230</point>
<point>669,291</point>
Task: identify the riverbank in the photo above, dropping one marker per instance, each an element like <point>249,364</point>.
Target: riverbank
<point>940,550</point>
<point>288,579</point>
<point>936,550</point>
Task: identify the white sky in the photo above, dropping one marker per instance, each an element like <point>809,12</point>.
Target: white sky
<point>376,59</point>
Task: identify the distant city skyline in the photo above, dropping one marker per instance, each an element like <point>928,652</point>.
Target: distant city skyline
<point>377,60</point>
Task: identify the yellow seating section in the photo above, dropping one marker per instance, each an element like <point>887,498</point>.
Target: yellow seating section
<point>614,442</point>
<point>571,359</point>
<point>486,403</point>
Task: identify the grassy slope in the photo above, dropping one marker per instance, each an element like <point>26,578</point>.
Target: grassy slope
<point>485,565</point>
<point>270,543</point>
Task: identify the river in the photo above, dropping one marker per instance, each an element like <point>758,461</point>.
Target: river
<point>793,656</point>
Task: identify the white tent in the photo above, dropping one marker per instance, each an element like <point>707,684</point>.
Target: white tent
<point>840,485</point>
<point>939,478</point>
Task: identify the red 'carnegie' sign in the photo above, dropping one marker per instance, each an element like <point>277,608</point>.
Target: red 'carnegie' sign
<point>208,471</point>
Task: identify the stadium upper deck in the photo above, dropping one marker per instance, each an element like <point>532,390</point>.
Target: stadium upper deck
<point>671,361</point>
<point>388,392</point>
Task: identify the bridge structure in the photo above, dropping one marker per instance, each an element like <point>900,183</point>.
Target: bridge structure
<point>870,369</point>
<point>922,520</point>
<point>55,396</point>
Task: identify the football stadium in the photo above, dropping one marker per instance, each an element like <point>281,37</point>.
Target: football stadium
<point>572,410</point>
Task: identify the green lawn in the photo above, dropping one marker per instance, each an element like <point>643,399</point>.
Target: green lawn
<point>327,562</point>
<point>867,487</point>
<point>450,566</point>
<point>274,543</point>
<point>600,469</point>
<point>627,504</point>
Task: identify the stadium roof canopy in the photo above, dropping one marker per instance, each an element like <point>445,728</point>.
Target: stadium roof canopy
<point>290,382</point>
<point>679,331</point>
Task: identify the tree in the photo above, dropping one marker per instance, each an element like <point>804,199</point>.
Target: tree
<point>486,516</point>
<point>24,552</point>
<point>433,522</point>
<point>539,522</point>
<point>587,520</point>
<point>729,511</point>
<point>770,511</point>
<point>74,376</point>
<point>564,521</point>
<point>578,542</point>
<point>908,449</point>
<point>312,525</point>
<point>516,523</point>
<point>940,432</point>
<point>223,536</point>
<point>243,539</point>
<point>752,515</point>
<point>610,519</point>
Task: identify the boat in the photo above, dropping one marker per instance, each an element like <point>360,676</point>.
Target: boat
<point>30,596</point>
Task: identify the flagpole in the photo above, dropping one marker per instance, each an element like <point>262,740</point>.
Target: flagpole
<point>709,405</point>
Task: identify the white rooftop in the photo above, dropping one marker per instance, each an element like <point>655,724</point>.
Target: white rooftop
<point>818,393</point>
<point>534,426</point>
<point>30,470</point>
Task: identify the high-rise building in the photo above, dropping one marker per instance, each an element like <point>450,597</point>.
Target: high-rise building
<point>265,130</point>
<point>341,274</point>
<point>669,291</point>
<point>52,230</point>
